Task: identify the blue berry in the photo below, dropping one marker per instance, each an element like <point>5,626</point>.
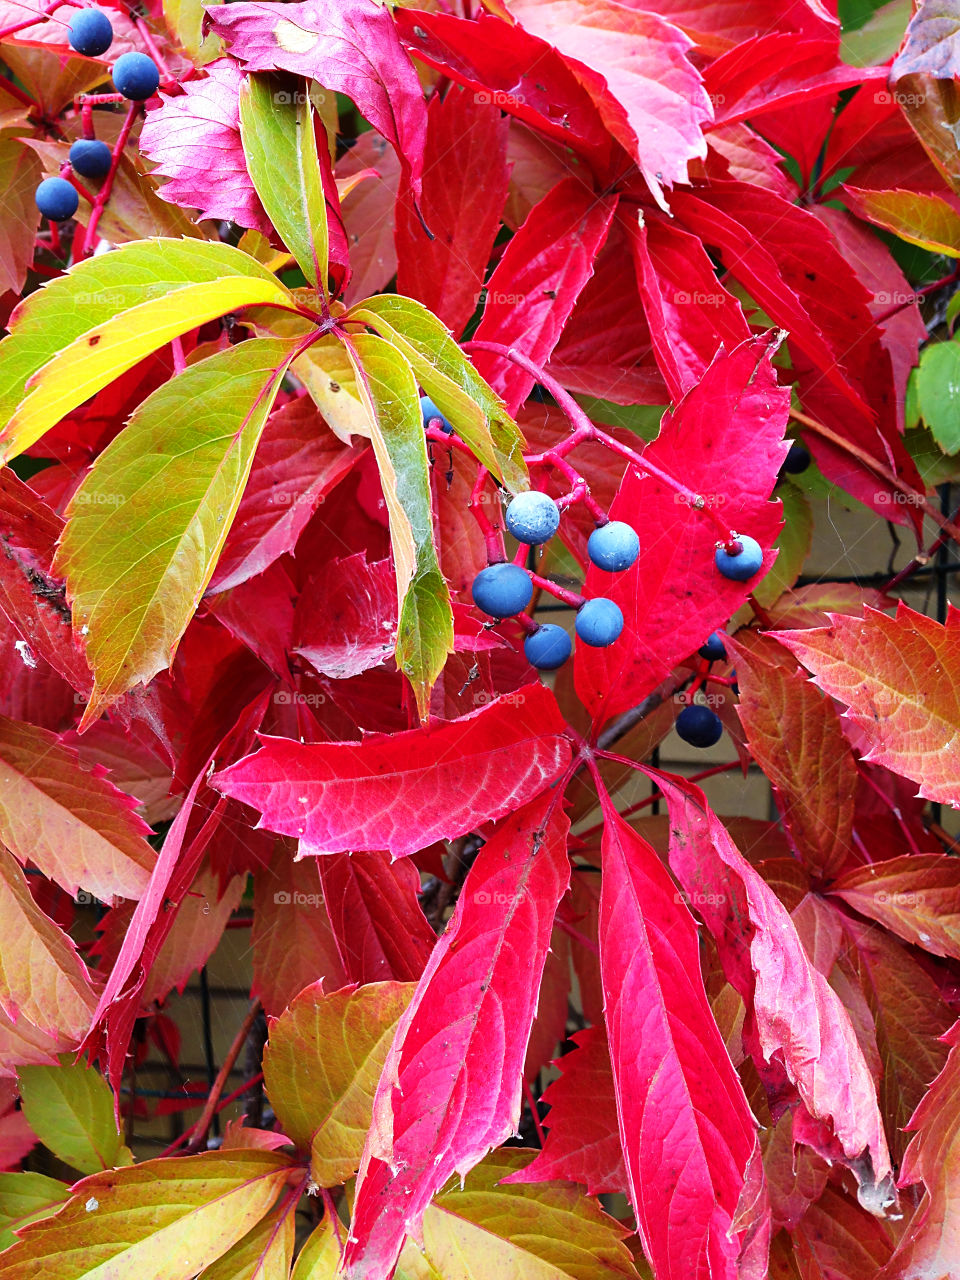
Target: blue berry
<point>599,622</point>
<point>699,726</point>
<point>614,546</point>
<point>745,564</point>
<point>57,199</point>
<point>90,158</point>
<point>548,647</point>
<point>796,461</point>
<point>713,649</point>
<point>502,590</point>
<point>135,76</point>
<point>90,33</point>
<point>533,517</point>
<point>430,411</point>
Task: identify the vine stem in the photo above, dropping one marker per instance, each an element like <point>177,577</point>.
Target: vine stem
<point>922,292</point>
<point>881,470</point>
<point>648,800</point>
<point>584,430</point>
<point>35,17</point>
<point>202,1126</point>
<point>103,195</point>
<point>224,1102</point>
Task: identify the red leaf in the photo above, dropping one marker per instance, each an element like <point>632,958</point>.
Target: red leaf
<point>606,348</point>
<point>686,1130</point>
<point>349,47</point>
<point>726,435</point>
<point>515,71</point>
<point>292,939</point>
<point>928,1250</point>
<point>795,735</point>
<point>403,792</point>
<point>32,599</point>
<point>380,931</point>
<point>719,24</point>
<point>916,896</point>
<point>690,314</point>
<point>583,1144</point>
<point>776,70</point>
<point>194,140</point>
<point>768,244</point>
<point>635,67</point>
<point>799,1019</point>
<point>297,463</point>
<point>368,215</point>
<point>537,281</point>
<point>451,1085</point>
<point>464,189</point>
<point>346,618</point>
<point>873,665</point>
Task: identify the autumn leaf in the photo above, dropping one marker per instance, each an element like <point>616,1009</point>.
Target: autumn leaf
<point>194,141</point>
<point>403,792</point>
<point>799,1019</point>
<point>71,1109</point>
<point>25,1198</point>
<point>322,1062</point>
<point>42,978</point>
<point>673,596</point>
<point>146,526</point>
<point>795,734</point>
<point>916,896</point>
<point>898,678</point>
<point>687,1134</point>
<point>165,1219</point>
<point>80,331</point>
<point>451,1085</point>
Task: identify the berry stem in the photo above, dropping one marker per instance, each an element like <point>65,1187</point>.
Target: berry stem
<point>103,195</point>
<point>561,593</point>
<point>579,489</point>
<point>155,54</point>
<point>493,538</point>
<point>584,429</point>
<point>16,92</point>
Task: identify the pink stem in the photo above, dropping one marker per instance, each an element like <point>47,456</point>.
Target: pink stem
<point>224,1102</point>
<point>579,489</point>
<point>585,430</point>
<point>179,361</point>
<point>493,538</point>
<point>577,936</point>
<point>561,593</point>
<point>36,16</point>
<point>103,195</point>
<point>155,54</point>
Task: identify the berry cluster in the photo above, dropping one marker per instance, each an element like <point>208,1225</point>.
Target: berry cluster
<point>504,590</point>
<point>135,77</point>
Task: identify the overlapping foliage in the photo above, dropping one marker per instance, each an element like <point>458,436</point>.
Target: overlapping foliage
<point>631,254</point>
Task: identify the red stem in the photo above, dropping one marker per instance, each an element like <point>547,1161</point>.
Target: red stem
<point>561,593</point>
<point>584,429</point>
<point>36,16</point>
<point>209,1110</point>
<point>155,54</point>
<point>492,537</point>
<point>224,1102</point>
<point>648,800</point>
<point>103,195</point>
<point>919,293</point>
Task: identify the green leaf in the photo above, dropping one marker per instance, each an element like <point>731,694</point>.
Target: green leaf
<point>27,1197</point>
<point>388,390</point>
<point>265,1253</point>
<point>319,1259</point>
<point>477,413</point>
<point>321,1067</point>
<point>70,1109</point>
<point>938,393</point>
<point>164,1219</point>
<point>145,528</point>
<point>536,1231</point>
<point>279,142</point>
<point>78,333</point>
